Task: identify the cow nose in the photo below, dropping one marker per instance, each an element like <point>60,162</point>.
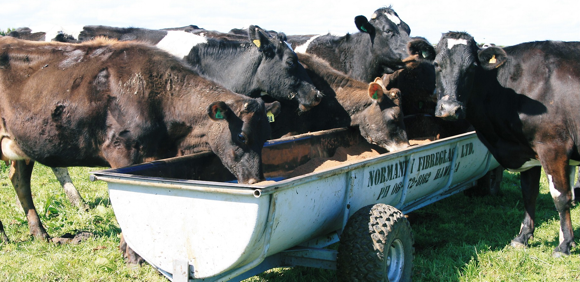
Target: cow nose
<point>318,97</point>
<point>253,181</point>
<point>449,111</point>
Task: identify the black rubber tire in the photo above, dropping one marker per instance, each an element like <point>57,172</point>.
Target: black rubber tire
<point>376,245</point>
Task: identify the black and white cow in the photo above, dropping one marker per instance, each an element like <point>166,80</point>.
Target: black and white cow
<point>378,48</point>
<point>260,65</point>
<point>523,101</point>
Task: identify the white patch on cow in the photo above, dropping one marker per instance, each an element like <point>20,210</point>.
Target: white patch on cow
<point>52,32</point>
<point>179,43</point>
<point>302,48</point>
<point>527,165</point>
<point>553,191</point>
<point>11,151</point>
<point>393,18</point>
<point>452,42</point>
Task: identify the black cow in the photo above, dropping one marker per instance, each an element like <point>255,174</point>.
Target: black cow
<point>378,48</point>
<point>264,65</point>
<point>110,103</point>
<point>523,101</point>
<point>27,34</point>
<point>54,35</point>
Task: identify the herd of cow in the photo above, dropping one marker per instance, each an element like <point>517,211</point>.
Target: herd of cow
<point>119,96</point>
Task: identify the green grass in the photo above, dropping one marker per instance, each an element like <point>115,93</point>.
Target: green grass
<point>456,239</point>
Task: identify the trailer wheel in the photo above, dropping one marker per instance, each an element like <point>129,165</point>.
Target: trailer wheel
<point>376,245</point>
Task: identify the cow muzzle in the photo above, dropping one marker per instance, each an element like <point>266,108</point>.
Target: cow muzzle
<point>449,110</point>
<point>317,98</point>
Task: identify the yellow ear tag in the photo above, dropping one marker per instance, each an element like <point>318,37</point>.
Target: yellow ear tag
<point>492,60</point>
<point>257,43</point>
<point>270,116</point>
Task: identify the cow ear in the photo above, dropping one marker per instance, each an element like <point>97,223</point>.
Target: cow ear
<point>218,111</point>
<point>273,110</point>
<point>363,25</point>
<point>258,38</point>
<point>376,91</point>
<point>421,48</point>
<point>492,57</point>
<point>394,94</point>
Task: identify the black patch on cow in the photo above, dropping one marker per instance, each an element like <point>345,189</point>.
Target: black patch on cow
<point>57,112</point>
<point>4,60</point>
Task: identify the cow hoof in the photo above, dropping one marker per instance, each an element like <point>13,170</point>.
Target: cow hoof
<point>557,254</point>
<point>517,245</point>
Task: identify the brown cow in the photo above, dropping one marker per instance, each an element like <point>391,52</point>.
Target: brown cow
<point>109,103</point>
<point>347,102</point>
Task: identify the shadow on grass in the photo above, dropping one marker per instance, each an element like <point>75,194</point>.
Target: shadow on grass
<point>451,231</point>
<point>99,201</point>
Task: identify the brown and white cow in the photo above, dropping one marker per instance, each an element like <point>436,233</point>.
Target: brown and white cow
<point>523,101</point>
<point>109,103</point>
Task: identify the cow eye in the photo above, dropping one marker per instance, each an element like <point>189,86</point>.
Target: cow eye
<point>290,63</point>
<point>436,66</point>
<point>242,138</point>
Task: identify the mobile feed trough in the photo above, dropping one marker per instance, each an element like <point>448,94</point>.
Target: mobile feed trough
<point>189,218</point>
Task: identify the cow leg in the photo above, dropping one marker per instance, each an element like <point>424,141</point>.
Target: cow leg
<point>20,174</point>
<point>559,182</point>
<point>576,188</point>
<point>530,182</point>
<point>128,253</point>
<point>497,177</point>
<point>3,233</point>
<point>71,192</point>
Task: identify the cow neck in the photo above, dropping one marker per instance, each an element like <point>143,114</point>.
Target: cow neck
<point>232,65</point>
<point>341,91</point>
<point>488,98</point>
<point>189,108</point>
<point>357,50</point>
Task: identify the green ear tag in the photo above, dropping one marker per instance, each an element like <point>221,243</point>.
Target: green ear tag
<point>420,105</point>
<point>376,95</point>
<point>219,115</point>
<point>424,53</point>
<point>270,116</point>
<point>363,29</point>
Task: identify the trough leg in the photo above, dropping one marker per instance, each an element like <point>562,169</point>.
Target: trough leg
<point>20,173</point>
<point>530,182</point>
<point>71,192</point>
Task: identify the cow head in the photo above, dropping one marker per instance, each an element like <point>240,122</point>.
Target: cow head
<point>381,123</point>
<point>456,66</point>
<point>279,74</point>
<point>389,36</point>
<point>238,134</point>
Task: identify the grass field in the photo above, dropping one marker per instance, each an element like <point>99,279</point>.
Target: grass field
<point>456,239</point>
